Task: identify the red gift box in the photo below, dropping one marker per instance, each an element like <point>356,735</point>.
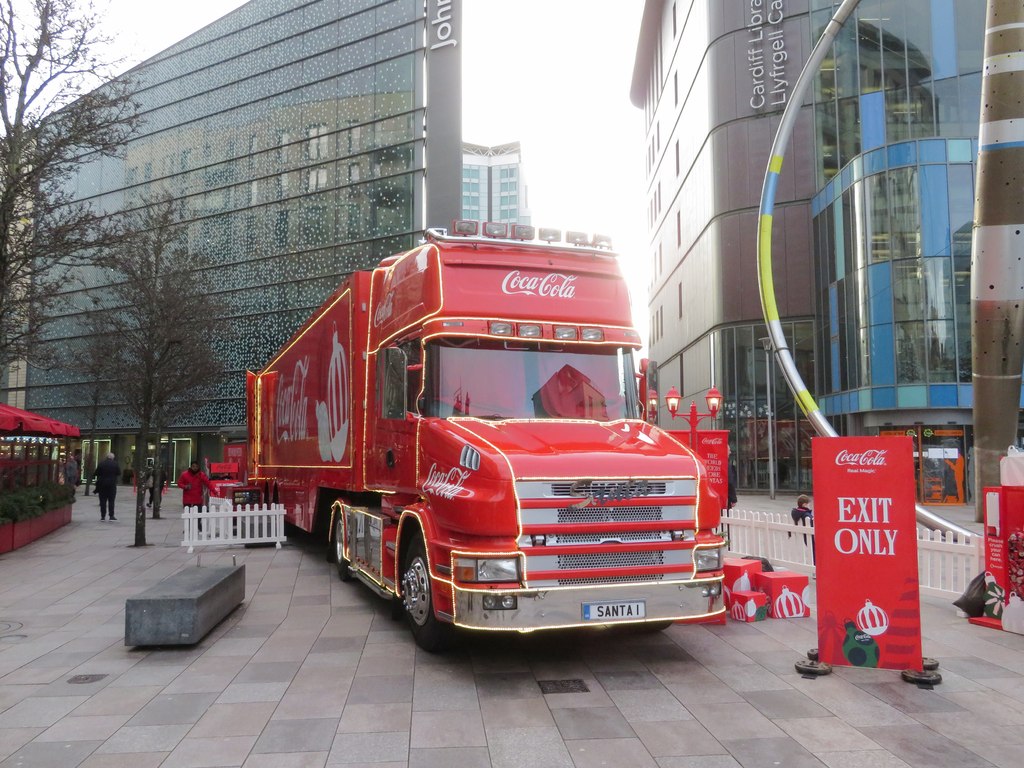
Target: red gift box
<point>739,576</point>
<point>748,605</point>
<point>787,593</point>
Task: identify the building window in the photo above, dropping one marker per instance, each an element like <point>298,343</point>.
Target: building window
<point>317,145</point>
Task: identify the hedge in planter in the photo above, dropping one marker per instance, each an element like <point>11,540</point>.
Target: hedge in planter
<point>27,503</point>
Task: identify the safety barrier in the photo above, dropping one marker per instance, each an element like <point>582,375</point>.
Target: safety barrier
<point>945,563</point>
<point>220,524</point>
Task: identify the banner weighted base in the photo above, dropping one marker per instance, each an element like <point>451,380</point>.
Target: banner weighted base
<point>810,668</point>
<point>927,677</point>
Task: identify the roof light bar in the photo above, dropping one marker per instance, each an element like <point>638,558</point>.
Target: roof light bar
<point>494,229</point>
<point>465,227</point>
<point>577,238</point>
<point>549,235</point>
<point>601,241</point>
<point>522,232</point>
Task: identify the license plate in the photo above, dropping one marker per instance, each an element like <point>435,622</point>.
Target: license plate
<point>613,611</point>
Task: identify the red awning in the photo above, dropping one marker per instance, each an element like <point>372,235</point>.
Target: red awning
<point>18,422</point>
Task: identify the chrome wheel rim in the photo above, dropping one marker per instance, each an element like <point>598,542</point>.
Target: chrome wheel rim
<point>416,591</point>
<point>339,545</point>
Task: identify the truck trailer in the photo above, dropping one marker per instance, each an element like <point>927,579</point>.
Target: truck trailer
<point>463,428</point>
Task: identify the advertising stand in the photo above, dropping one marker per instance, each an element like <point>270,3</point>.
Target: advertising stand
<point>1004,558</point>
<point>869,612</point>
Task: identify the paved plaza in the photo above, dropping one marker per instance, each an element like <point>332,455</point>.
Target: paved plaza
<point>310,671</point>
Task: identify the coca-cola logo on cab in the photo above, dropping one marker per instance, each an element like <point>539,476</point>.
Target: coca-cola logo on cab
<point>384,310</point>
<point>872,458</point>
<point>446,484</point>
<point>554,285</point>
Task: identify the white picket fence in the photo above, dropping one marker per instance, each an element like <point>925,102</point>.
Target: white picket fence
<point>223,524</point>
<point>945,563</point>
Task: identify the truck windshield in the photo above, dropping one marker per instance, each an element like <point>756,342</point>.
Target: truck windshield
<point>523,380</point>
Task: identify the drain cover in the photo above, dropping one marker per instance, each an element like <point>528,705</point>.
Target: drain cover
<point>83,679</point>
<point>563,686</point>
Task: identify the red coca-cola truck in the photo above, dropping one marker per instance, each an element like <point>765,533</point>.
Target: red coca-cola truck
<point>463,427</point>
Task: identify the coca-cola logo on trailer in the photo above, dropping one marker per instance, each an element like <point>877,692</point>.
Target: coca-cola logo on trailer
<point>554,285</point>
<point>875,458</point>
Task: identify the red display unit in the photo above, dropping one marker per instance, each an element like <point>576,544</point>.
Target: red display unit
<point>1004,558</point>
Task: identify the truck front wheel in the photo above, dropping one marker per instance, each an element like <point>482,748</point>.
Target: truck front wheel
<point>431,634</point>
<point>339,549</point>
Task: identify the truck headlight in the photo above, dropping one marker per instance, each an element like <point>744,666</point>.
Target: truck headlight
<point>708,559</point>
<point>496,569</point>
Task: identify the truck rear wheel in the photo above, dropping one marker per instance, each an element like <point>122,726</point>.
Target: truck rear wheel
<point>431,634</point>
<point>339,550</point>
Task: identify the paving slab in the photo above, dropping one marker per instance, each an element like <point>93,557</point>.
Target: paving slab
<point>311,672</point>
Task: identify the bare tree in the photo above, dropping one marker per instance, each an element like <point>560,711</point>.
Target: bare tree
<point>164,323</point>
<point>55,118</point>
<point>92,356</point>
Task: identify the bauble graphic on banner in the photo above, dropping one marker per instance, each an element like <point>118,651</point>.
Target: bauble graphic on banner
<point>869,612</point>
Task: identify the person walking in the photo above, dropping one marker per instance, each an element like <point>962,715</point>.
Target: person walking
<point>72,473</point>
<point>193,482</point>
<point>106,476</point>
<point>802,514</point>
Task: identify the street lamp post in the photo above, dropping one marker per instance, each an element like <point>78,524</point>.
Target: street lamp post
<point>767,343</point>
<point>713,399</point>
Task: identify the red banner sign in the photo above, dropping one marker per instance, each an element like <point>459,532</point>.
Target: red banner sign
<point>869,612</point>
<point>713,448</point>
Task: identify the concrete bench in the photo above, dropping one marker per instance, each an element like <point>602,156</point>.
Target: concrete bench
<point>182,608</point>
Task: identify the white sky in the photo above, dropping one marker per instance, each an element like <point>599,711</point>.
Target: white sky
<point>551,74</point>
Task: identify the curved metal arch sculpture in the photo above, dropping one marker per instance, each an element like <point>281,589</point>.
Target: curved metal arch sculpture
<point>766,287</point>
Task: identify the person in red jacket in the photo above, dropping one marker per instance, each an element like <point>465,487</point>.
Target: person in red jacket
<point>192,483</point>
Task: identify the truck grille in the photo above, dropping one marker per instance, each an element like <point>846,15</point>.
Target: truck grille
<point>608,514</point>
<point>611,560</point>
<point>625,503</point>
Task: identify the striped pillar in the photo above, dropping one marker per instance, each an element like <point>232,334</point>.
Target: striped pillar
<point>997,264</point>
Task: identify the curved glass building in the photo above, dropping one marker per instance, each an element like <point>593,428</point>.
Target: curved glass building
<point>872,231</point>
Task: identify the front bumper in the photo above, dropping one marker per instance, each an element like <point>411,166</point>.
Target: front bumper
<point>559,607</point>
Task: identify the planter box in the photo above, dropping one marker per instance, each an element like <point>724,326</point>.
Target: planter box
<point>6,538</point>
<point>22,534</point>
<point>27,531</point>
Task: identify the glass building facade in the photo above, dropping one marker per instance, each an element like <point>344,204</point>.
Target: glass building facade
<point>293,134</point>
<point>896,112</point>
